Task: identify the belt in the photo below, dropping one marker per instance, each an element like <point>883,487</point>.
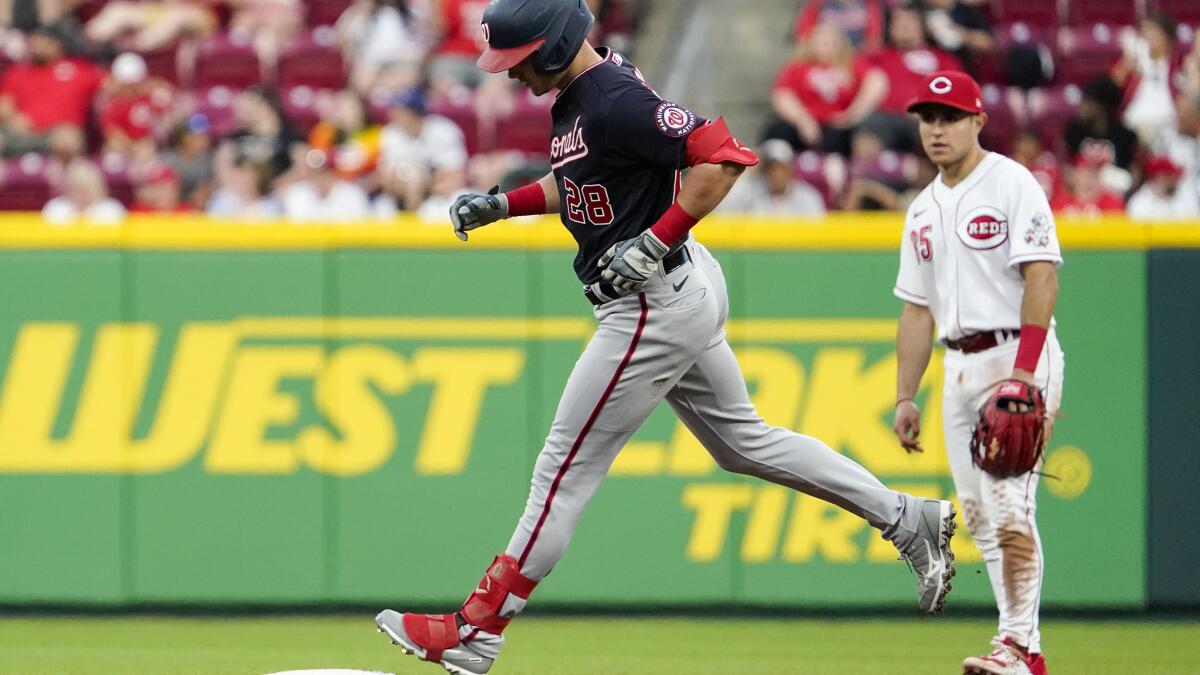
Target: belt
<point>602,291</point>
<point>977,342</point>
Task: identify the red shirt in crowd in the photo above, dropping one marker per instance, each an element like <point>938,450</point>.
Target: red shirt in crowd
<point>824,90</point>
<point>461,20</point>
<point>1067,203</point>
<point>905,68</point>
<point>53,94</point>
<point>134,116</point>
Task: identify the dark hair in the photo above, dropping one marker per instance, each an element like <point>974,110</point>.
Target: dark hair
<point>1103,91</point>
<point>400,6</point>
<point>271,99</point>
<point>1165,23</point>
<point>907,7</point>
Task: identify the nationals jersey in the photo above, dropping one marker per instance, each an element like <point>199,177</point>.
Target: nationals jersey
<point>963,247</point>
<point>616,151</point>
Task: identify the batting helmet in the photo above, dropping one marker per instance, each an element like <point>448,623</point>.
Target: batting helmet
<point>552,31</point>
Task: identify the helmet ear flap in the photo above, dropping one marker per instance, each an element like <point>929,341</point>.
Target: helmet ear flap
<point>552,59</point>
<point>564,36</point>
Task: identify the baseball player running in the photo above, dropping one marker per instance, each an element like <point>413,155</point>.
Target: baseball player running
<point>979,258</point>
<point>660,298</point>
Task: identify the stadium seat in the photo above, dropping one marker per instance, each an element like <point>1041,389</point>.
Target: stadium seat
<point>1051,109</point>
<point>1002,122</point>
<point>312,59</point>
<point>460,109</point>
<point>164,63</point>
<point>115,170</point>
<point>325,12</point>
<point>88,9</point>
<point>1009,35</point>
<point>299,107</point>
<point>1185,37</point>
<point>1183,11</point>
<point>810,168</point>
<point>227,59</point>
<point>1024,33</point>
<point>1087,51</point>
<point>528,127</point>
<point>1035,12</point>
<point>24,184</point>
<point>216,103</point>
<point>1118,12</point>
<point>888,167</point>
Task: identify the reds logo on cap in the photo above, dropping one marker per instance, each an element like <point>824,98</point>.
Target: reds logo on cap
<point>950,88</point>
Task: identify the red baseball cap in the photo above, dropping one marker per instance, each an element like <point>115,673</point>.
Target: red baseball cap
<point>1161,165</point>
<point>162,173</point>
<point>1090,159</point>
<point>498,60</point>
<point>952,88</point>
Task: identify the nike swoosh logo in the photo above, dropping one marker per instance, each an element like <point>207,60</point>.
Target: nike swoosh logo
<point>679,285</point>
<point>917,214</point>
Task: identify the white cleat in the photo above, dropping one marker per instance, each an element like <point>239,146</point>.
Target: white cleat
<point>930,554</point>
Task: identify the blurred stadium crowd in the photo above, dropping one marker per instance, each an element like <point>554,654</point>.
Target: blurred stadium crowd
<point>1100,99</point>
<point>345,110</point>
<point>329,110</point>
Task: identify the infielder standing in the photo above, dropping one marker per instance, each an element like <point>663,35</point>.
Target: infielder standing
<point>616,152</point>
<point>979,258</point>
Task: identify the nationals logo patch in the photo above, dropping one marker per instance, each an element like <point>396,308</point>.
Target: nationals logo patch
<point>983,228</point>
<point>674,121</point>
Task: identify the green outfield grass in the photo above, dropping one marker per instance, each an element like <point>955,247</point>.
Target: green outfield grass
<point>917,646</point>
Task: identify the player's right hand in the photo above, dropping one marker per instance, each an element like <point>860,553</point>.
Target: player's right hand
<point>907,425</point>
<point>474,210</point>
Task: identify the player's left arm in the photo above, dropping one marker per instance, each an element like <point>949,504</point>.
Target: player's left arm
<point>706,185</point>
<point>716,159</point>
<point>1034,253</point>
<point>1037,308</point>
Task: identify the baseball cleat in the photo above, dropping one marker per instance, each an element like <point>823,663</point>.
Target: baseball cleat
<point>930,556</point>
<point>1006,658</point>
<point>432,638</point>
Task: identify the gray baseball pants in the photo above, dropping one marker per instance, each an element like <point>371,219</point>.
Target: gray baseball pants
<point>669,342</point>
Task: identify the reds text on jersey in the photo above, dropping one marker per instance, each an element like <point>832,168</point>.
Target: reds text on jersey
<point>963,247</point>
<point>616,152</point>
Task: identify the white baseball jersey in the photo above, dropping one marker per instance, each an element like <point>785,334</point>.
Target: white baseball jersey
<point>963,247</point>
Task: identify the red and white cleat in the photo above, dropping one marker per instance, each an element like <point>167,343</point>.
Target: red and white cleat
<point>1006,658</point>
<point>434,638</point>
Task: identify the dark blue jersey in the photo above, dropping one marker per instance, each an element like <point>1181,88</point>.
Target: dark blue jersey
<point>617,151</point>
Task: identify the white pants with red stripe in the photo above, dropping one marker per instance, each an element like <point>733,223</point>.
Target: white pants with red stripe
<point>669,342</point>
<point>1000,513</point>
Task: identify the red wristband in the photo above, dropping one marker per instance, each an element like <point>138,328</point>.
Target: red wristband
<point>673,225</point>
<point>527,200</point>
<point>1033,338</point>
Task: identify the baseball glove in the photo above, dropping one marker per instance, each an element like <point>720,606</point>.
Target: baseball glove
<point>1011,432</point>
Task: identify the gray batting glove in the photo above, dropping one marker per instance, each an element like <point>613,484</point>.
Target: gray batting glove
<point>474,210</point>
<point>629,264</point>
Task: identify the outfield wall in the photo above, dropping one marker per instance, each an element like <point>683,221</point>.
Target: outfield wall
<point>206,413</point>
